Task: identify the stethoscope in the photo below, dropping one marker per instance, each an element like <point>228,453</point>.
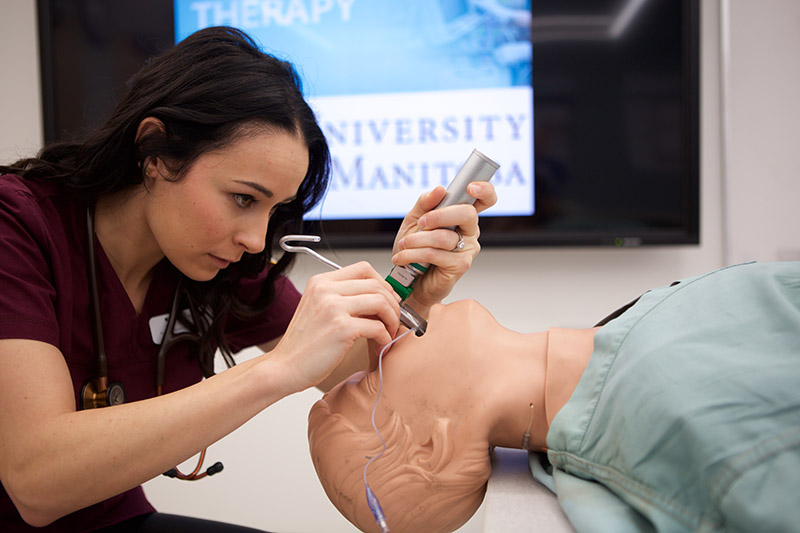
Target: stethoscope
<point>99,392</point>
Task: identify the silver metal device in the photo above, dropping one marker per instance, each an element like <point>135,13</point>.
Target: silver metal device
<point>477,167</point>
<point>408,317</point>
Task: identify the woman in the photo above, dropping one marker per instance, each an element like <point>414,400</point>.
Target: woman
<point>180,194</point>
<point>679,414</point>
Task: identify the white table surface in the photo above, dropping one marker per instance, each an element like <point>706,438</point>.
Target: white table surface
<point>515,502</point>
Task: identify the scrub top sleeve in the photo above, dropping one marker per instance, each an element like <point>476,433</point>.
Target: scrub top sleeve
<point>27,293</point>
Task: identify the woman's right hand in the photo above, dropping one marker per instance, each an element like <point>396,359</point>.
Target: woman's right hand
<point>337,308</point>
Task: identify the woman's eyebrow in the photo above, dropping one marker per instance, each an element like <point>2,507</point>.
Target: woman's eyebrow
<point>257,186</point>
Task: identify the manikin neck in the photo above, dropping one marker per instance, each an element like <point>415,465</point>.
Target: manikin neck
<point>516,380</point>
<point>540,369</point>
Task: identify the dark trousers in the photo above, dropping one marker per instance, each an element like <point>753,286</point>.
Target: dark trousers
<point>169,523</point>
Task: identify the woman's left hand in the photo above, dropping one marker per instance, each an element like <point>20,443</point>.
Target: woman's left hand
<point>437,245</point>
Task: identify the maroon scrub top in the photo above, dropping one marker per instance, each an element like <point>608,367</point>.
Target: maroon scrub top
<point>44,296</point>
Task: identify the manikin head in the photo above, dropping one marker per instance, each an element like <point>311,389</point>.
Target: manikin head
<point>445,401</point>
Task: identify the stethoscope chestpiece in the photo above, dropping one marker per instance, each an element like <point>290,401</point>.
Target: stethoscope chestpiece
<point>95,394</point>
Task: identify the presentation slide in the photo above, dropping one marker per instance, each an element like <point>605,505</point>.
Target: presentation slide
<point>403,89</point>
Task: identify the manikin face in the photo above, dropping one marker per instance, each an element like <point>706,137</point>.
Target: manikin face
<point>220,209</point>
<point>424,372</point>
<point>433,474</point>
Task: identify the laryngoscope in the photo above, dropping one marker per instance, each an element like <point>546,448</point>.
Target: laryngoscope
<point>408,317</point>
<point>477,167</point>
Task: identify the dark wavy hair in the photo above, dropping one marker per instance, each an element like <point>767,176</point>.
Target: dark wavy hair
<point>210,89</point>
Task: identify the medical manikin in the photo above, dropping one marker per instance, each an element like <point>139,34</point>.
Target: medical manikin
<point>682,411</point>
<point>446,399</point>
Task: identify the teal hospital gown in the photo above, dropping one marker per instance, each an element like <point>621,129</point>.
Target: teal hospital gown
<point>687,417</point>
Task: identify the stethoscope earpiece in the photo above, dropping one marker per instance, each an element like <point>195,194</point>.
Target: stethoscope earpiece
<point>194,476</point>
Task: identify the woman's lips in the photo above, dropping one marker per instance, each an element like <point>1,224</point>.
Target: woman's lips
<point>219,262</point>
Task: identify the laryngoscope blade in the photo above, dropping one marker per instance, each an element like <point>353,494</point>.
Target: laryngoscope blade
<point>408,317</point>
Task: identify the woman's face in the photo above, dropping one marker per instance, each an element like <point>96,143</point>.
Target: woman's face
<point>220,209</point>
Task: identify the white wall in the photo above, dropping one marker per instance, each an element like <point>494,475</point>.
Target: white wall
<point>21,131</point>
<point>761,73</point>
<point>269,481</point>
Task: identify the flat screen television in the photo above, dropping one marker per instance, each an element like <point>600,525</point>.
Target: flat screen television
<point>589,106</point>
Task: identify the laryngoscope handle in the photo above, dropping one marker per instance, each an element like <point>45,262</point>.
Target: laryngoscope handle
<point>477,167</point>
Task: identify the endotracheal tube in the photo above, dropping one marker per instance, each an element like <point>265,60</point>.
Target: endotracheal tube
<point>372,500</point>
